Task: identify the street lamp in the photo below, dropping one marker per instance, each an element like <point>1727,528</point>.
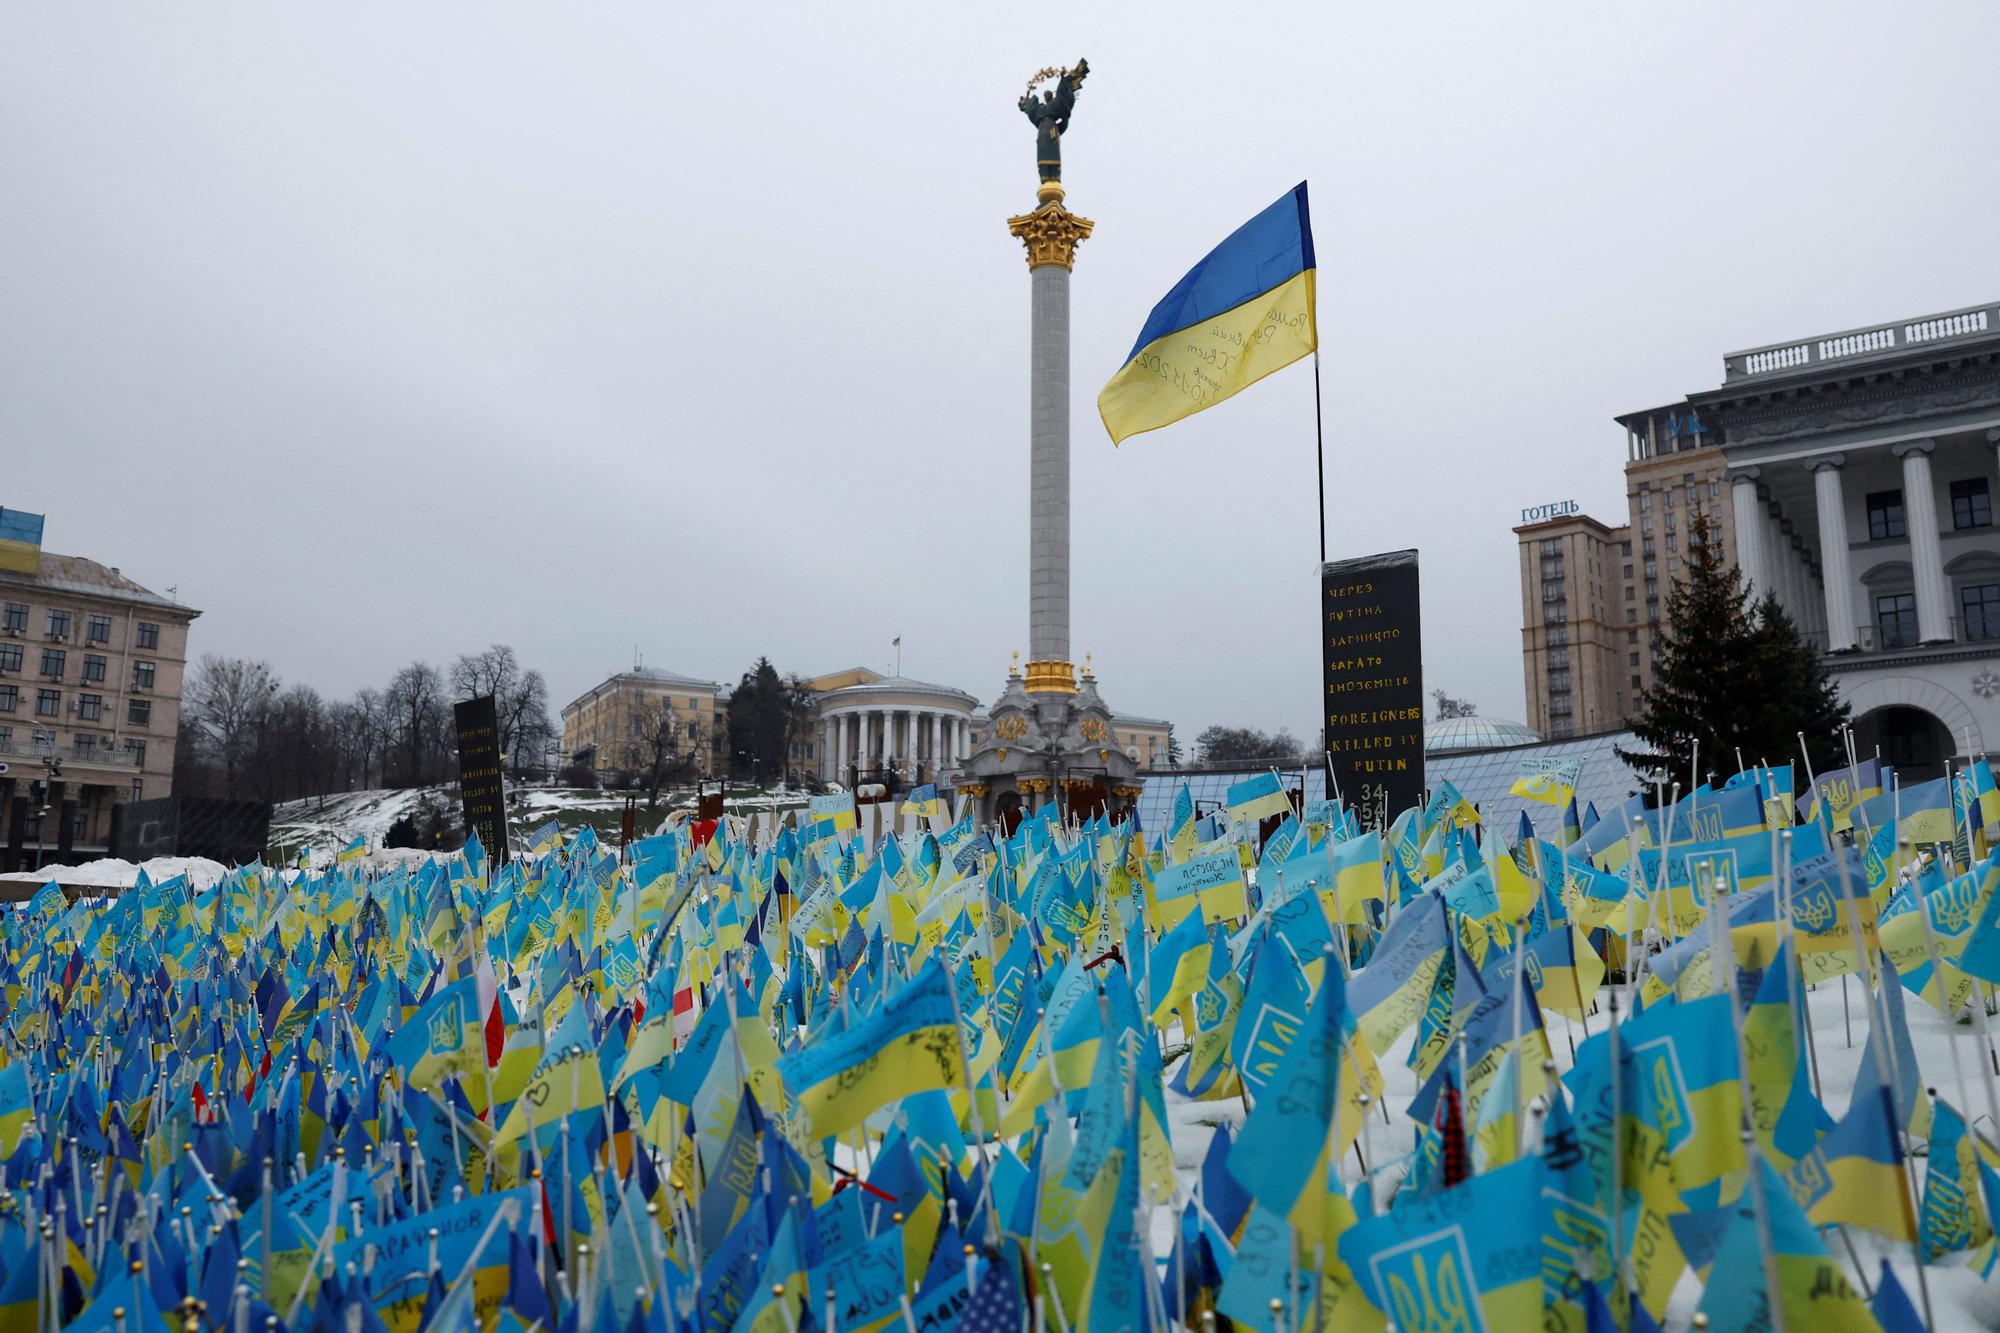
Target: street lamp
<point>45,741</point>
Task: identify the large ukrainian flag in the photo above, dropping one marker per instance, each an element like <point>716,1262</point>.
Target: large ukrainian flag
<point>1244,311</point>
<point>21,540</point>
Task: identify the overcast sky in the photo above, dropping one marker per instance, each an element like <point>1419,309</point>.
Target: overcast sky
<point>389,331</point>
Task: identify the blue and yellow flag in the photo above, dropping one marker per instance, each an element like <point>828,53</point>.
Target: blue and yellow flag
<point>21,532</point>
<point>1244,311</point>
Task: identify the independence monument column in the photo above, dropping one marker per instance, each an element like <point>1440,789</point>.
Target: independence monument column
<point>1048,740</point>
<point>1051,234</point>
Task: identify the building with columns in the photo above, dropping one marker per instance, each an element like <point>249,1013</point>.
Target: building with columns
<point>1862,470</point>
<point>1593,596</point>
<point>1850,473</point>
<point>890,729</point>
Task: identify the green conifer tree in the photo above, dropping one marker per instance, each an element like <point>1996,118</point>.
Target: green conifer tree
<point>1735,676</point>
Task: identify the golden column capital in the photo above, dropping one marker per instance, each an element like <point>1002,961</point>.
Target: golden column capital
<point>1051,234</point>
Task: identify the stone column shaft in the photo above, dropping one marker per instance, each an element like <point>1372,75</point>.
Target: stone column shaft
<point>1750,518</point>
<point>1926,556</point>
<point>1834,563</point>
<point>1048,467</point>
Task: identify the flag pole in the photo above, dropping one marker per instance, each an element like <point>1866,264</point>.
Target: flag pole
<point>1319,451</point>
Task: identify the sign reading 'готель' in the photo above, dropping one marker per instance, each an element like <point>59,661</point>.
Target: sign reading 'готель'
<point>1371,636</point>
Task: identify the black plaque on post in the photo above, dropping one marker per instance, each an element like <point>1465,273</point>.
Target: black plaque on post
<point>1371,642</point>
<point>480,789</point>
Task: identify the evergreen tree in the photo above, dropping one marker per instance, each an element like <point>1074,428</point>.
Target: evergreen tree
<point>1734,676</point>
<point>760,712</point>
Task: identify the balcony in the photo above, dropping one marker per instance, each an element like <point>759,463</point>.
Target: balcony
<point>1888,637</point>
<point>1952,326</point>
<point>21,757</point>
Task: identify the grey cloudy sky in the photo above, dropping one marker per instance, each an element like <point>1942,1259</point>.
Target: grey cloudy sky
<point>388,330</point>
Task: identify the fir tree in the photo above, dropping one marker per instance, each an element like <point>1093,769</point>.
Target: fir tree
<point>1734,676</point>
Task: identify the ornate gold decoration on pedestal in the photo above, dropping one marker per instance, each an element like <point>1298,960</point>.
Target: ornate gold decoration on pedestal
<point>1051,677</point>
<point>1093,729</point>
<point>1011,728</point>
<point>973,789</point>
<point>1127,793</point>
<point>1033,786</point>
<point>1051,233</point>
<point>1014,667</point>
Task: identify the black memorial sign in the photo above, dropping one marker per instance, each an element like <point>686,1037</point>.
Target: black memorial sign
<point>1371,637</point>
<point>480,789</point>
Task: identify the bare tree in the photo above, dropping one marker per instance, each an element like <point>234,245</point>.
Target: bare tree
<point>228,700</point>
<point>520,700</point>
<point>663,749</point>
<point>414,708</point>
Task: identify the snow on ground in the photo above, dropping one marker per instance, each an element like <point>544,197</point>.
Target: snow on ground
<point>112,873</point>
<point>329,823</point>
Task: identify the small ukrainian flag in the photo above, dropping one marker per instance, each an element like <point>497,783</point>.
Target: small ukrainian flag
<point>354,851</point>
<point>1244,311</point>
<point>922,801</point>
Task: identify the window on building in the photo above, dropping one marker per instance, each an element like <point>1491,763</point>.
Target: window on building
<point>1645,501</point>
<point>10,657</point>
<point>1559,635</point>
<point>57,624</point>
<point>694,731</point>
<point>1667,499</point>
<point>147,636</point>
<point>1693,494</point>
<point>85,747</point>
<point>97,629</point>
<point>90,707</point>
<point>1631,636</point>
<point>1635,659</point>
<point>1624,548</point>
<point>1896,619</point>
<point>15,617</point>
<point>1714,489</point>
<point>1652,572</point>
<point>1971,504</point>
<point>48,703</point>
<point>94,666</point>
<point>139,712</point>
<point>142,675</point>
<point>1980,605</point>
<point>1673,543</point>
<point>1648,547</point>
<point>53,662</point>
<point>1646,524</point>
<point>1552,590</point>
<point>1635,680</point>
<point>1630,592</point>
<point>1631,615</point>
<point>137,749</point>
<point>10,698</point>
<point>1652,587</point>
<point>1628,571</point>
<point>6,740</point>
<point>1558,680</point>
<point>1885,515</point>
<point>1550,546</point>
<point>1558,657</point>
